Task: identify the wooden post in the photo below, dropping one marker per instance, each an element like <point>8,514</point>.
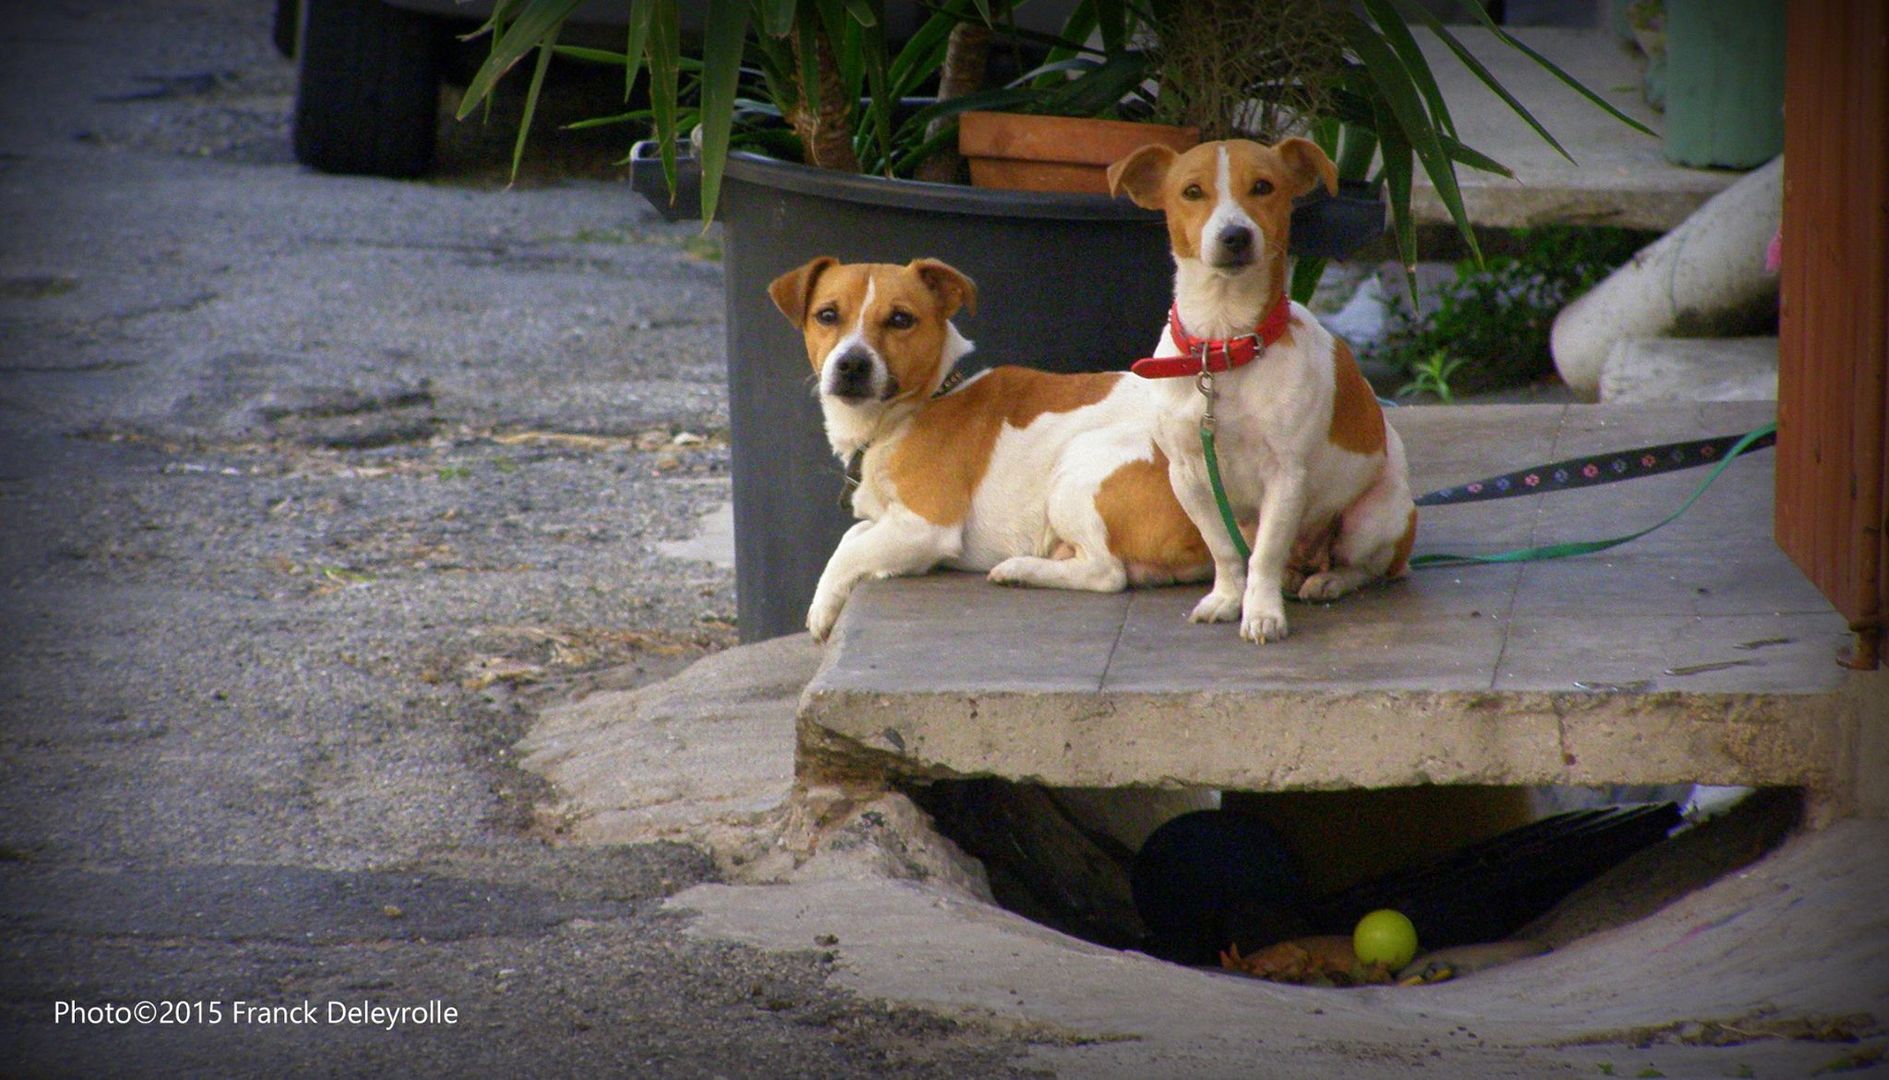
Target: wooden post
<point>1833,409</point>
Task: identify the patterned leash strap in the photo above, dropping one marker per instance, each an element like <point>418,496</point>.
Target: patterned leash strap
<point>1531,481</point>
<point>1607,468</point>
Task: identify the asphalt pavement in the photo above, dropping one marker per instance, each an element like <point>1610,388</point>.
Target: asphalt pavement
<point>312,490</point>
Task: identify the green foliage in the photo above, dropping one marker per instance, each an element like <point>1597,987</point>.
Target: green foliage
<point>1377,87</point>
<point>1490,329</point>
<point>1432,376</point>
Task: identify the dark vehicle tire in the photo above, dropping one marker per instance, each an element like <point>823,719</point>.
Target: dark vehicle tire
<point>367,99</point>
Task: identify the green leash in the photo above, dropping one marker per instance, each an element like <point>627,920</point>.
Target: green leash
<point>1588,547</point>
<point>1220,492</point>
<point>1208,424</point>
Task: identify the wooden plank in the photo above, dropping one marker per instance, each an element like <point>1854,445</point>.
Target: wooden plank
<point>1834,322</point>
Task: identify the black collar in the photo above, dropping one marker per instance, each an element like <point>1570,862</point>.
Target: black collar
<point>855,473</point>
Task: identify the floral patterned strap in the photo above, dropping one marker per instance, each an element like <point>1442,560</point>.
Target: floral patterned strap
<point>1765,435</point>
<point>1600,469</point>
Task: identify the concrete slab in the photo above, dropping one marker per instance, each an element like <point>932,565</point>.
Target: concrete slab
<point>685,759</point>
<point>1618,176</point>
<point>1697,654</point>
<point>1690,369</point>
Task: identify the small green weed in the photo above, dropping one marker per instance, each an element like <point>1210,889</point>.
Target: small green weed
<point>1432,376</point>
<point>454,472</point>
<point>1495,320</point>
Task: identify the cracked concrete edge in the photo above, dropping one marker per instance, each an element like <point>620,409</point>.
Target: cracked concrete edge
<point>705,758</point>
<point>909,919</point>
<point>1738,948</point>
<point>1290,740</point>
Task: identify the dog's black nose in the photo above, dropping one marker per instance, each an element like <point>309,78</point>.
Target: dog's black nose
<point>1236,239</point>
<point>853,364</point>
<point>852,374</point>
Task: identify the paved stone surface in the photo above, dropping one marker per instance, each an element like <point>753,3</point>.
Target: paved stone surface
<point>1618,177</point>
<point>1691,369</point>
<point>312,490</point>
<point>1697,654</point>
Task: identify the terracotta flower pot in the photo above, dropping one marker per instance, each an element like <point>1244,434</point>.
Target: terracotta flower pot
<point>1055,153</point>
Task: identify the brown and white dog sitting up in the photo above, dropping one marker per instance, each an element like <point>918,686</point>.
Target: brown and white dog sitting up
<point>1040,479</point>
<point>1302,444</point>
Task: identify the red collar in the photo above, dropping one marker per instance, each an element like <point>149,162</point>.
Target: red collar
<point>1217,354</point>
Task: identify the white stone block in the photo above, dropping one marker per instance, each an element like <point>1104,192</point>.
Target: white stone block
<point>1709,268</point>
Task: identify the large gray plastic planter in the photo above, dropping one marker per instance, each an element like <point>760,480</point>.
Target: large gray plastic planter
<point>1065,283</point>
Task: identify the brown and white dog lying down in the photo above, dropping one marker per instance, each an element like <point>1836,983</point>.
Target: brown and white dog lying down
<point>1040,479</point>
<point>1302,444</point>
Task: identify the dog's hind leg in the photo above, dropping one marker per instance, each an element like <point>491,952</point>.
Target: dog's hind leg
<point>1081,555</point>
<point>1078,572</point>
<point>1375,534</point>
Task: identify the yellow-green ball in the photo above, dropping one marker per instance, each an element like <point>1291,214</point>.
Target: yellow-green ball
<point>1385,937</point>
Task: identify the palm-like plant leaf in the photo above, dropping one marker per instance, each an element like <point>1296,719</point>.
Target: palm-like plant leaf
<point>636,41</point>
<point>545,50</point>
<point>665,79</point>
<point>1397,35</point>
<point>777,16</point>
<point>873,55</point>
<point>724,31</point>
<point>1399,159</point>
<point>534,23</point>
<point>1405,106</point>
<point>1417,11</point>
<point>1554,69</point>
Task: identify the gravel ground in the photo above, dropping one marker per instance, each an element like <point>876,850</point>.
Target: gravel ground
<point>312,489</point>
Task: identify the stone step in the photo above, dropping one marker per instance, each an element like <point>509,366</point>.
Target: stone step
<point>1690,369</point>
<point>1618,176</point>
<point>1697,654</point>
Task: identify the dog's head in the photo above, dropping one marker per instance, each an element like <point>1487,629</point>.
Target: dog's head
<point>876,332</point>
<point>1228,204</point>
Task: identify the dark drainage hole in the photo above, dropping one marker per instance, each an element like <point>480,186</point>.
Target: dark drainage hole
<point>1273,884</point>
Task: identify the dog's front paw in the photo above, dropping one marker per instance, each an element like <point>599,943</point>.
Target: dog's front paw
<point>821,616</point>
<point>1264,623</point>
<point>1216,607</point>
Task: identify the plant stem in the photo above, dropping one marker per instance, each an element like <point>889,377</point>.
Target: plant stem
<point>827,133</point>
<point>966,55</point>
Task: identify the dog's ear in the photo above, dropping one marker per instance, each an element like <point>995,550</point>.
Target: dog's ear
<point>1310,167</point>
<point>793,291</point>
<point>1141,173</point>
<point>951,287</point>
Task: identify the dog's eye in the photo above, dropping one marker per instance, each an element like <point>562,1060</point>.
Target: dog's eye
<point>1192,191</point>
<point>1262,187</point>
<point>901,320</point>
<point>827,316</point>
